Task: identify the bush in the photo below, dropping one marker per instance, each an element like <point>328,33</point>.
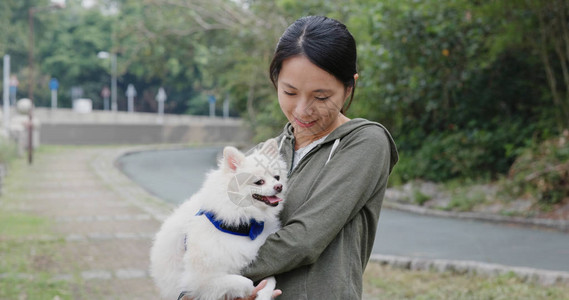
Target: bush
<point>542,171</point>
<point>474,154</point>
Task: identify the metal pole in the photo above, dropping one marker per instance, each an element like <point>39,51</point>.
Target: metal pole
<point>6,98</point>
<point>31,54</point>
<point>160,112</point>
<point>31,84</point>
<point>114,105</point>
<point>53,99</point>
<point>226,107</point>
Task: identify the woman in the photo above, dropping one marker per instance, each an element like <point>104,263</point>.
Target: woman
<point>338,168</point>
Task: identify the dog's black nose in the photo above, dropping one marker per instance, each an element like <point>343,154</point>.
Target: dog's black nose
<point>278,187</point>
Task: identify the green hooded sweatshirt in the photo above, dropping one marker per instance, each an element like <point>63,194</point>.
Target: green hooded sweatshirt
<point>330,213</point>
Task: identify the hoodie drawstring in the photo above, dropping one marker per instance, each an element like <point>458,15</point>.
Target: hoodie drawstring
<point>336,143</point>
<point>282,142</point>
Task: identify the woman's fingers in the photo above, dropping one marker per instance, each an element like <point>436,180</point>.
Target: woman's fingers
<point>259,287</point>
<point>277,293</point>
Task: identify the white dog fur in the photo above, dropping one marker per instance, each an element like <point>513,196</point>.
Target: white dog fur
<point>190,254</point>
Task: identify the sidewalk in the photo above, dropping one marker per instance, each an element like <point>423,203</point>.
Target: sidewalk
<point>106,221</point>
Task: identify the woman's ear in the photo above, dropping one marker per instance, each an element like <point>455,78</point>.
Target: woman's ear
<point>351,88</point>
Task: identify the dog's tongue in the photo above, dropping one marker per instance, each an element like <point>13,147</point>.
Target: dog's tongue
<point>273,199</point>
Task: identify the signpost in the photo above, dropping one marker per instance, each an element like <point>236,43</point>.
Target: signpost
<point>130,94</point>
<point>161,98</point>
<point>13,89</point>
<point>6,98</point>
<point>53,86</point>
<point>226,107</point>
<point>106,93</point>
<point>211,100</point>
<point>113,57</point>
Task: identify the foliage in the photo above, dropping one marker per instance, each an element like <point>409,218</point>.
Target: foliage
<point>540,27</point>
<point>464,86</point>
<point>419,198</point>
<point>543,171</point>
<point>455,107</point>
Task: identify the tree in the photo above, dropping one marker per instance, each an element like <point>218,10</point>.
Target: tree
<point>540,27</point>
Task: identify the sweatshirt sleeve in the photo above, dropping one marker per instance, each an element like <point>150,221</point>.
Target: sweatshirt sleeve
<point>358,169</point>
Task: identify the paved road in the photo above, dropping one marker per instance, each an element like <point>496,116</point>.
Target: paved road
<point>175,174</point>
<point>172,175</point>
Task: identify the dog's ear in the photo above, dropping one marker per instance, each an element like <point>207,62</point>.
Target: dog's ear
<point>270,148</point>
<point>232,158</point>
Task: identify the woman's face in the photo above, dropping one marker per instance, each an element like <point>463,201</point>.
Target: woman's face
<point>310,98</point>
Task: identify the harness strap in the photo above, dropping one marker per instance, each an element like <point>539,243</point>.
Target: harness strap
<point>252,229</point>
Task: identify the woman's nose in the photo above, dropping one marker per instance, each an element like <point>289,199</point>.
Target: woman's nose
<point>304,107</point>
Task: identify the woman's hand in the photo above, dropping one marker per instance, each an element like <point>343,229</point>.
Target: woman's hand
<point>259,287</point>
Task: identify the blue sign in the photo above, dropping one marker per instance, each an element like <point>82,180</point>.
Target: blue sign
<point>211,99</point>
<point>53,84</point>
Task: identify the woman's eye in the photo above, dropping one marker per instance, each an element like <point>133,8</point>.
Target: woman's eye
<point>260,182</point>
<point>277,177</point>
<point>289,93</point>
<point>321,98</point>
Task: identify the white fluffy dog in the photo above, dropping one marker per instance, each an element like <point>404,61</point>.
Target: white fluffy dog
<point>205,243</point>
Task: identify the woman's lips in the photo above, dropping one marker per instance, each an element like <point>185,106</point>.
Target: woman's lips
<point>304,124</point>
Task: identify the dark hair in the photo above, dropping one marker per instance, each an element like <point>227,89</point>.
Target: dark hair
<point>326,42</point>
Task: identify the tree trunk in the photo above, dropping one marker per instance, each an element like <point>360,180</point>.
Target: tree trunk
<point>562,114</point>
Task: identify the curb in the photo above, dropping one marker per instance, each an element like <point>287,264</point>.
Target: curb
<point>560,225</point>
<point>104,165</point>
<point>542,277</point>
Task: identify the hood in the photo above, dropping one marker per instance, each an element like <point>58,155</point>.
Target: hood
<point>346,129</point>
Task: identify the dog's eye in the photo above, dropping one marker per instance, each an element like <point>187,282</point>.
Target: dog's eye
<point>277,177</point>
<point>260,182</point>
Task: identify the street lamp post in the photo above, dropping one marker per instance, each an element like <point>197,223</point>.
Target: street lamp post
<point>31,83</point>
<point>113,57</point>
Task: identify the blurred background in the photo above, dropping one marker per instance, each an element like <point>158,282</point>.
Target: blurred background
<point>474,92</point>
<point>466,87</point>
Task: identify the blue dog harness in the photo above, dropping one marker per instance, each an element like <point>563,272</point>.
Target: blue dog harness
<point>252,229</point>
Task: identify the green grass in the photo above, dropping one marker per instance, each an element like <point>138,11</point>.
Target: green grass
<point>14,225</point>
<point>419,198</point>
<point>21,255</point>
<point>25,260</point>
<point>21,259</point>
<point>388,283</point>
<point>462,201</point>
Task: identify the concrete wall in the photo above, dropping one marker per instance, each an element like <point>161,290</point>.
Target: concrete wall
<point>65,127</point>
